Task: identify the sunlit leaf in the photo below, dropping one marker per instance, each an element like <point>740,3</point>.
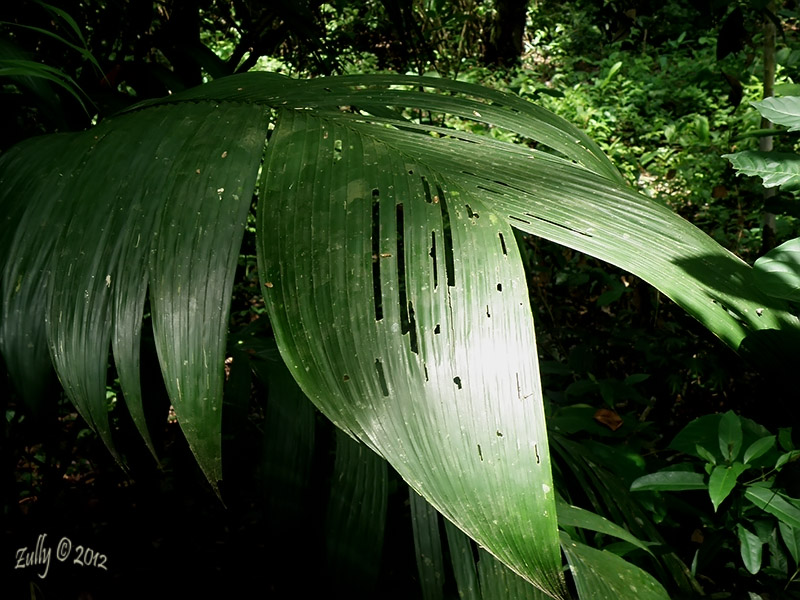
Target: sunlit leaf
<point>778,271</point>
<point>774,168</point>
<point>783,110</point>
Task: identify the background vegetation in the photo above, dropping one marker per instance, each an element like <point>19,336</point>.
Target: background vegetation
<point>664,88</point>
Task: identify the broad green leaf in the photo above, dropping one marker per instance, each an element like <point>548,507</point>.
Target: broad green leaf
<point>462,558</point>
<point>786,457</point>
<point>601,575</point>
<point>750,548</point>
<point>730,435</point>
<point>775,504</point>
<point>774,168</point>
<point>673,481</point>
<point>428,546</point>
<point>778,271</point>
<point>433,370</point>
<point>722,481</point>
<point>791,537</point>
<point>578,517</point>
<point>781,111</point>
<point>356,517</point>
<point>758,448</point>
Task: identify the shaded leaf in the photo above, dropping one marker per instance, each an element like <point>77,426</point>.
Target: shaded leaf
<point>750,548</point>
<point>775,504</point>
<point>601,575</point>
<point>722,481</point>
<point>758,448</point>
<point>428,546</point>
<point>577,517</point>
<point>730,435</point>
<point>670,481</point>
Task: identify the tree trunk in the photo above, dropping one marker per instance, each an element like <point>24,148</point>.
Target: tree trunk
<point>504,46</point>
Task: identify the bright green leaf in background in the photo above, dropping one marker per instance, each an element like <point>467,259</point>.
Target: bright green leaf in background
<point>774,168</point>
<point>777,273</point>
<point>775,504</point>
<point>783,110</point>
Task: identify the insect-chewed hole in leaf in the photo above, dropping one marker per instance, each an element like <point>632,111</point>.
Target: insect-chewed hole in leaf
<point>425,370</point>
<point>381,377</point>
<point>345,377</point>
<point>457,381</point>
<point>503,244</point>
<point>401,270</point>
<point>449,264</point>
<point>518,219</point>
<point>412,338</point>
<point>471,213</point>
<point>426,186</point>
<point>376,264</point>
<point>432,254</point>
<point>561,225</point>
<point>480,454</point>
<point>438,329</point>
<point>488,314</point>
<point>499,287</point>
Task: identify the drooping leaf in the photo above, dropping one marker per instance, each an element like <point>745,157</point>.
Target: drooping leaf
<point>431,370</point>
<point>722,481</point>
<point>673,481</point>
<point>462,558</point>
<point>601,575</point>
<point>428,547</point>
<point>356,517</point>
<point>751,549</point>
<point>778,271</point>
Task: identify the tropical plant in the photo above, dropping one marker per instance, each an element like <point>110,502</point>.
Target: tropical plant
<point>392,279</point>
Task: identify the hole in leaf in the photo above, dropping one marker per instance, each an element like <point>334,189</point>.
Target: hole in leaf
<point>425,370</point>
<point>376,265</point>
<point>449,264</point>
<point>503,244</point>
<point>427,188</point>
<point>457,381</point>
<point>518,219</point>
<point>401,271</point>
<point>480,454</point>
<point>381,377</point>
<point>470,213</point>
<point>499,287</point>
<point>488,314</point>
<point>437,330</point>
<point>412,322</point>
<point>432,254</point>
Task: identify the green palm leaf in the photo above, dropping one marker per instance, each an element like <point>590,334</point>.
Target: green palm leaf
<point>393,283</point>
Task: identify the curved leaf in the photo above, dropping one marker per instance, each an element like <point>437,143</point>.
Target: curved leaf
<point>775,504</point>
<point>578,517</point>
<point>722,481</point>
<point>399,303</point>
<point>778,271</point>
<point>751,549</point>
